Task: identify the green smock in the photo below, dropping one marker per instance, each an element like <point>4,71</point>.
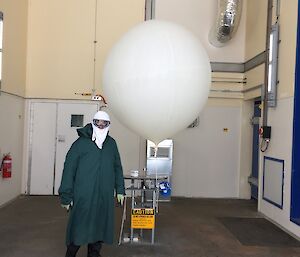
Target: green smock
<point>89,178</point>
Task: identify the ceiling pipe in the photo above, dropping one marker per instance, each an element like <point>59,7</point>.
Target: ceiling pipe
<point>227,21</point>
<point>149,10</point>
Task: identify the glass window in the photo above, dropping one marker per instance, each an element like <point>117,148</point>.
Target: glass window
<point>76,120</point>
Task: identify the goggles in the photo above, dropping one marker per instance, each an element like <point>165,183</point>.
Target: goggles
<point>101,124</point>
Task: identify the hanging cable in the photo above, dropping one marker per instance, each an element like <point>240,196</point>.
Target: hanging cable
<point>264,145</point>
<point>94,95</point>
<point>95,48</point>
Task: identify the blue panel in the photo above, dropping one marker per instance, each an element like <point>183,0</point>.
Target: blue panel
<point>295,192</point>
<point>255,149</point>
<point>254,192</point>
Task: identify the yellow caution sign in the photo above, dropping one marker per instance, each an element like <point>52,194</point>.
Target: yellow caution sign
<point>143,218</point>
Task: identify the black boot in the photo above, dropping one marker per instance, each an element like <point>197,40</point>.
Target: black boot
<point>72,250</point>
<point>94,249</point>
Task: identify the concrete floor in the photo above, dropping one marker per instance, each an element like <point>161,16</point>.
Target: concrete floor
<point>35,226</point>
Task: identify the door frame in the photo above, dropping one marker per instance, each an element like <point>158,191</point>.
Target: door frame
<point>28,133</point>
<point>254,181</point>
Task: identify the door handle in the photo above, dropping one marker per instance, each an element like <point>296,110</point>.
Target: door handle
<point>61,138</point>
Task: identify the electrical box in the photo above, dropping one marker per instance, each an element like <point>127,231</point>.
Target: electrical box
<point>266,132</point>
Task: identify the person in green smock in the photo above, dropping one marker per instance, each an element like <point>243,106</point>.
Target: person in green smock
<point>92,172</point>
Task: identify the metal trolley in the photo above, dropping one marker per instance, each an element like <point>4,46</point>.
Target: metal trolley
<point>139,199</point>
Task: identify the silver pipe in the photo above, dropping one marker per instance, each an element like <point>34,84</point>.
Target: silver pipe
<point>149,10</point>
<point>266,78</point>
<point>228,19</point>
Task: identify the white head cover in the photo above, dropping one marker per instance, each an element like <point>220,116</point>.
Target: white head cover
<point>99,135</point>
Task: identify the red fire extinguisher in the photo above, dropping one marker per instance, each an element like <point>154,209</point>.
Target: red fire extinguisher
<point>6,166</point>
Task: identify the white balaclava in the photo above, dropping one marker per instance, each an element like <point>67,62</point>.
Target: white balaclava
<point>99,135</point>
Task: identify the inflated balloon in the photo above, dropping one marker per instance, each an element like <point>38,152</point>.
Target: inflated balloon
<point>156,79</point>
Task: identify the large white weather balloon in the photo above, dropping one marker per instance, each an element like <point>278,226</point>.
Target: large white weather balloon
<point>156,79</point>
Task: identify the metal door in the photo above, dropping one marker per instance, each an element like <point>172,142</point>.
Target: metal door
<point>52,132</point>
<point>42,148</point>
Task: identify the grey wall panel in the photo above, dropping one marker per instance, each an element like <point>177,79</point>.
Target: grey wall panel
<point>206,158</point>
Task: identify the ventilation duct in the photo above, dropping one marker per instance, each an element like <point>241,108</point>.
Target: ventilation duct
<point>228,19</point>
